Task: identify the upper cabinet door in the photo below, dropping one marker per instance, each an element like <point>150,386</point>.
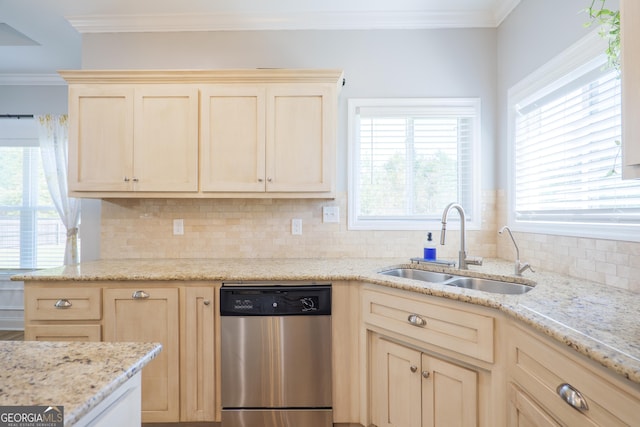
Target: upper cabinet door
<point>202,133</point>
<point>100,137</point>
<point>300,138</point>
<point>630,60</point>
<point>233,138</point>
<point>165,154</point>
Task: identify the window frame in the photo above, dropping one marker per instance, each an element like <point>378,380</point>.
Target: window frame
<point>581,53</point>
<point>473,222</point>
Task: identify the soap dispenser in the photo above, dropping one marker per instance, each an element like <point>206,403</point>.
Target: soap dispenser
<point>429,248</point>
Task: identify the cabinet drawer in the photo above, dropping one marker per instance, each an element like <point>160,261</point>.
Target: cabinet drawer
<point>62,333</point>
<point>541,369</point>
<point>455,329</point>
<point>63,303</point>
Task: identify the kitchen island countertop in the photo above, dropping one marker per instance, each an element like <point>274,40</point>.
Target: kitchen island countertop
<point>75,375</point>
<point>598,321</point>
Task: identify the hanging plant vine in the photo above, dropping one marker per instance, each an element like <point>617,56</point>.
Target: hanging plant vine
<point>609,21</point>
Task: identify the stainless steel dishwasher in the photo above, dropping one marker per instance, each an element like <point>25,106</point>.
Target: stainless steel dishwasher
<point>276,354</point>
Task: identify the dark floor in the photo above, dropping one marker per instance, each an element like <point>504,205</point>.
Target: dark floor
<point>11,335</point>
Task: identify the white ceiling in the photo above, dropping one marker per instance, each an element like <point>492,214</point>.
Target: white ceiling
<point>38,37</point>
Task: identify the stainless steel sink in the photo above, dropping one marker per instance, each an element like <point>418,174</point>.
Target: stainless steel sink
<point>487,285</point>
<point>411,273</point>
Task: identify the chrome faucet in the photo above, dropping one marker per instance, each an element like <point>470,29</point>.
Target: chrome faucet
<point>463,260</point>
<point>519,267</point>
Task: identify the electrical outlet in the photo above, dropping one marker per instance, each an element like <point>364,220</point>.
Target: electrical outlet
<point>330,214</point>
<point>178,227</point>
<point>296,226</point>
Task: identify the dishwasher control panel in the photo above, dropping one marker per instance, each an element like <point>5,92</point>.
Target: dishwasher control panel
<point>278,300</point>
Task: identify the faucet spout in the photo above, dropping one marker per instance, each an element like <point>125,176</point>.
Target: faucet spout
<point>519,267</point>
<point>463,261</point>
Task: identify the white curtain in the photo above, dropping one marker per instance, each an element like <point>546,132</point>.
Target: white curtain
<point>54,142</point>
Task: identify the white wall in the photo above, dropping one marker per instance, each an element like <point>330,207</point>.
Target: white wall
<point>26,99</point>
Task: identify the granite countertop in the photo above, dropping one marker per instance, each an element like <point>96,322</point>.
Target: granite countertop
<point>76,375</point>
<point>598,321</point>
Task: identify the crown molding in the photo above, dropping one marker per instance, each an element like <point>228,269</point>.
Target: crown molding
<point>503,8</point>
<point>251,76</point>
<point>31,80</point>
<point>287,21</point>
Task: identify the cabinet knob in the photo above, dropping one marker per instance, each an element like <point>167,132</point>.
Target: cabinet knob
<point>62,303</point>
<point>260,180</point>
<point>206,302</point>
<point>126,179</point>
<point>425,374</point>
<point>135,180</point>
<point>140,295</point>
<point>269,179</point>
<point>572,396</point>
<point>413,368</point>
<point>416,320</point>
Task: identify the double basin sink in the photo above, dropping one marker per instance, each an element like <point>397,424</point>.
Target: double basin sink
<point>486,285</point>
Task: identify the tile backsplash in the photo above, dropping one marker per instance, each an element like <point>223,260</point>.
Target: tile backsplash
<point>261,228</point>
<point>611,262</point>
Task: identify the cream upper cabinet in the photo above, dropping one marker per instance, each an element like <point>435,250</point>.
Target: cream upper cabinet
<point>100,137</point>
<point>300,154</point>
<point>630,61</point>
<point>133,138</point>
<point>276,138</point>
<point>217,133</point>
<point>233,138</point>
<point>165,149</point>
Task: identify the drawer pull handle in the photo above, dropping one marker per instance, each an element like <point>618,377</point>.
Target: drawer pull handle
<point>63,303</point>
<point>140,295</point>
<point>572,397</point>
<point>416,320</point>
<point>414,368</point>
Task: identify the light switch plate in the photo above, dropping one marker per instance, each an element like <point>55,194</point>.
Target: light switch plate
<point>296,226</point>
<point>178,227</point>
<point>330,214</point>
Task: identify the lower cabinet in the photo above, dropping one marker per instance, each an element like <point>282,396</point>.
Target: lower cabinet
<point>180,383</point>
<point>413,389</point>
<point>525,412</point>
<point>550,385</point>
<point>62,313</point>
<point>149,315</point>
<point>62,333</point>
<point>197,354</point>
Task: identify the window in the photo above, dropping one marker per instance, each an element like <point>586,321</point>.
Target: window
<point>31,233</point>
<point>565,124</point>
<point>410,158</point>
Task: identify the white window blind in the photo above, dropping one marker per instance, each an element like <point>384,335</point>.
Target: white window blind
<point>31,233</point>
<point>567,163</point>
<point>409,161</point>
